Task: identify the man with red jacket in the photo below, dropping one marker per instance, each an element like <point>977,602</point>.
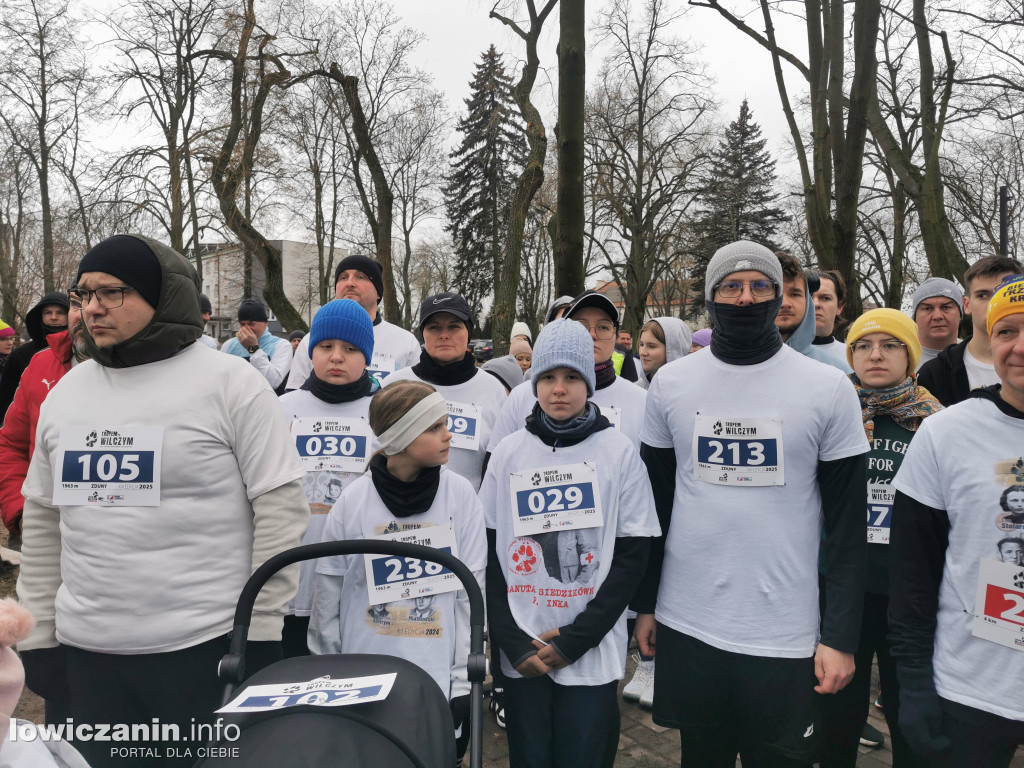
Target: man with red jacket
<point>18,434</point>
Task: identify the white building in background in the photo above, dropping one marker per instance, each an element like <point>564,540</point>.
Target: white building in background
<point>223,268</point>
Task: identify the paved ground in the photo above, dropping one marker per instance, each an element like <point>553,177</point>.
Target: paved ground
<point>642,744</point>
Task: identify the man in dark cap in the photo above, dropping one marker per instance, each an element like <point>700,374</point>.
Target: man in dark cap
<point>360,278</point>
<point>49,315</point>
<point>268,354</point>
<point>163,476</point>
<point>206,309</point>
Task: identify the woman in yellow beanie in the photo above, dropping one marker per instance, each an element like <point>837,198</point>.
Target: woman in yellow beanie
<point>6,343</point>
<point>883,350</point>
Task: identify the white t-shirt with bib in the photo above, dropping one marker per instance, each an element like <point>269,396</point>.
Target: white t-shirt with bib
<point>622,402</point>
<point>563,577</point>
<point>425,635</point>
<point>479,399</point>
<point>164,577</point>
<point>393,348</point>
<point>321,485</point>
<point>961,461</point>
<point>741,557</point>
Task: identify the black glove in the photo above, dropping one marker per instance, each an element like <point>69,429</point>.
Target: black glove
<point>920,717</point>
<point>46,673</point>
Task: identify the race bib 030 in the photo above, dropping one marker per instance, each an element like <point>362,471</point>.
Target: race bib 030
<point>332,444</point>
<point>554,499</point>
<point>108,466</point>
<point>738,451</point>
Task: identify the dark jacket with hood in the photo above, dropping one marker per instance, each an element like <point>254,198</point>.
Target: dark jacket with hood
<point>946,375</point>
<point>177,321</point>
<point>18,360</point>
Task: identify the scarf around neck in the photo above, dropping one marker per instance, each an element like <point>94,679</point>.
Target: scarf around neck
<point>565,433</point>
<point>364,386</point>
<point>401,498</point>
<point>604,375</point>
<point>905,403</point>
<point>449,375</point>
<point>745,335</point>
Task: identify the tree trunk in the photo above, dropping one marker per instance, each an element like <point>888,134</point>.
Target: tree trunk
<point>569,134</point>
<point>506,287</point>
<point>385,198</point>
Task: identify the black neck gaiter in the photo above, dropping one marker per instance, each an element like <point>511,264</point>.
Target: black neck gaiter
<point>401,498</point>
<point>821,340</point>
<point>458,372</point>
<point>604,375</point>
<point>745,335</point>
<point>339,393</point>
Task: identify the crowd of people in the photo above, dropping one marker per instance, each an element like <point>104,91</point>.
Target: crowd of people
<point>765,507</point>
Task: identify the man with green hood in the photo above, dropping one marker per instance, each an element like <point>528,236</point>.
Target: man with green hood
<point>163,476</point>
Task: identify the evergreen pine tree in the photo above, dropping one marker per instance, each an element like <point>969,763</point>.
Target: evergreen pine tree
<point>483,173</point>
<point>738,201</point>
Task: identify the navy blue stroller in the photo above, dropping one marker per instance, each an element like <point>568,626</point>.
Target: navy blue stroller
<point>410,727</point>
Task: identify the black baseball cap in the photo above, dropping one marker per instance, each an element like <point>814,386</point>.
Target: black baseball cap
<point>594,299</point>
<point>452,303</point>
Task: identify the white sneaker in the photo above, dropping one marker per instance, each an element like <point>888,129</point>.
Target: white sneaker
<point>647,695</point>
<point>643,679</point>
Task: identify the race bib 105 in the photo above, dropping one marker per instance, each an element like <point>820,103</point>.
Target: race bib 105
<point>738,451</point>
<point>554,499</point>
<point>108,466</point>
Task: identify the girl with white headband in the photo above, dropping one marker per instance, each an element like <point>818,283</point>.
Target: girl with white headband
<point>399,606</point>
<point>570,516</point>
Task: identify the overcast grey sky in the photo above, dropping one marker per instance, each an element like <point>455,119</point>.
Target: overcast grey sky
<point>458,31</point>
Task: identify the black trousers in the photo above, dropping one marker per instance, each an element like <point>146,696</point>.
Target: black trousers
<point>978,739</point>
<point>177,688</point>
<point>726,704</point>
<point>561,726</point>
<point>843,714</point>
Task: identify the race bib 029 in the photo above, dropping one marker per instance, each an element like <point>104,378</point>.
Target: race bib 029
<point>108,466</point>
<point>738,451</point>
<point>554,499</point>
<point>328,444</point>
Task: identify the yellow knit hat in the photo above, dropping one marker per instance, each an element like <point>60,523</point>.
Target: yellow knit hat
<point>1007,300</point>
<point>886,320</point>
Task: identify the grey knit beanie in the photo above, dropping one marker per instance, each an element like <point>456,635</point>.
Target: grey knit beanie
<point>564,344</point>
<point>738,257</point>
<point>934,287</point>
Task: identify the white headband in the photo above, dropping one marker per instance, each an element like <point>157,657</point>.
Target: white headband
<point>414,423</point>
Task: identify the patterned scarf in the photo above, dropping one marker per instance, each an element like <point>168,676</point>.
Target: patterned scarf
<point>906,404</point>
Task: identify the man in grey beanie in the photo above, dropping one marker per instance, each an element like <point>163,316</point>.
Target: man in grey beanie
<point>937,310</point>
<point>757,450</point>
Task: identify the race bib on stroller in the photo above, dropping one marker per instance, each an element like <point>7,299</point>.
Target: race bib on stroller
<point>743,452</point>
<point>554,499</point>
<point>108,466</point>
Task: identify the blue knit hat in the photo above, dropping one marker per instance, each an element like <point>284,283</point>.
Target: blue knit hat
<point>346,320</point>
<point>564,344</point>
